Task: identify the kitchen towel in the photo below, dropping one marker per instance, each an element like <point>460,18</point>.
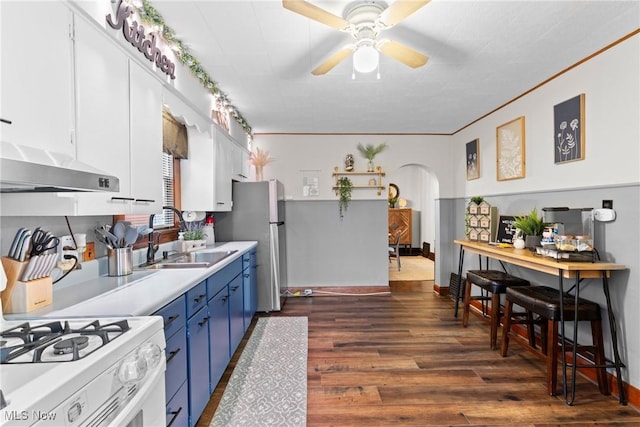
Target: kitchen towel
<point>268,386</point>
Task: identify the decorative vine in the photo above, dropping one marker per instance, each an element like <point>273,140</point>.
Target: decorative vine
<point>150,15</point>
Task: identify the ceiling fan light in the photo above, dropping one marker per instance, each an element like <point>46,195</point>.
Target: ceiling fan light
<point>365,59</point>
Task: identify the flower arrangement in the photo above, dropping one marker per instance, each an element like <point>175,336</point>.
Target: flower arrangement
<point>258,159</point>
<point>194,231</point>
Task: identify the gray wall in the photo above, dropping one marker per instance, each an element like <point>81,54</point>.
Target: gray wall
<point>616,241</point>
<point>323,250</point>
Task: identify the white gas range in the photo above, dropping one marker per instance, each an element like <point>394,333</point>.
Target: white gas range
<point>82,372</point>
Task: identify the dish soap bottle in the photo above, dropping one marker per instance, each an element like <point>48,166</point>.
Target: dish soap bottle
<point>208,230</point>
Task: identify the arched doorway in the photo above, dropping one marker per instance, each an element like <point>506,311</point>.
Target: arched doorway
<point>420,188</point>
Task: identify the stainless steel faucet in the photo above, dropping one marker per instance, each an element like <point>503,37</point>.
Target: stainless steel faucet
<point>151,247</point>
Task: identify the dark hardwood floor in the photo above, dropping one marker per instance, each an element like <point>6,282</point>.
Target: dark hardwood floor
<point>404,360</point>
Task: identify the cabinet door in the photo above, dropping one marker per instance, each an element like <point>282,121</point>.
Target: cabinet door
<point>198,172</point>
<point>146,140</point>
<point>178,408</point>
<point>198,353</point>
<point>102,111</point>
<point>224,172</point>
<point>36,92</point>
<point>248,287</point>
<point>176,356</point>
<point>218,336</point>
<point>236,313</point>
<point>240,161</point>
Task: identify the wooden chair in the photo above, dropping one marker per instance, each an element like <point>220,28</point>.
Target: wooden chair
<point>394,247</point>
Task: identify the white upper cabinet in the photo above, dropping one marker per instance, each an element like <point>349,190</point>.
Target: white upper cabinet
<point>35,77</point>
<point>102,116</point>
<point>145,105</point>
<point>240,170</point>
<point>206,174</point>
<point>224,171</point>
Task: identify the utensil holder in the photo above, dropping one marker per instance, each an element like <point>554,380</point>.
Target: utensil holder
<point>23,297</point>
<point>120,261</point>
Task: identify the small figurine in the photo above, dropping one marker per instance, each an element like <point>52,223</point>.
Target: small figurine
<point>348,163</point>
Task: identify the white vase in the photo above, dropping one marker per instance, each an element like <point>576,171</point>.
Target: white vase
<point>519,243</point>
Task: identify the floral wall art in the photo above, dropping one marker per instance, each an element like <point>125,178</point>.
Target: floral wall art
<point>510,152</point>
<point>473,160</point>
<point>568,122</point>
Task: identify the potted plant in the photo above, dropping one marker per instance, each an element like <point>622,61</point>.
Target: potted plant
<point>193,238</point>
<point>344,187</point>
<point>532,226</point>
<point>370,151</point>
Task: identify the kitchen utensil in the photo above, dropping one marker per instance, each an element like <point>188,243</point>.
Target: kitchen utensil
<point>13,250</point>
<point>28,271</point>
<point>24,246</point>
<point>101,236</point>
<point>130,236</point>
<point>143,230</point>
<point>119,231</point>
<point>42,242</point>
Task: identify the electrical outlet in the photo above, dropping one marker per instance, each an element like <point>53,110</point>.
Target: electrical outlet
<point>89,253</point>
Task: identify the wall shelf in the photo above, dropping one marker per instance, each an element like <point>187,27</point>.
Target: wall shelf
<point>379,173</point>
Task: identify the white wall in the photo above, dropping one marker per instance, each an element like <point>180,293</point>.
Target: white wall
<point>611,86</point>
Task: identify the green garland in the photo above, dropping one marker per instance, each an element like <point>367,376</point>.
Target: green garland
<point>150,15</point>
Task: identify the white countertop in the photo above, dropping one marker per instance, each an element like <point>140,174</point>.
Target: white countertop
<point>139,294</point>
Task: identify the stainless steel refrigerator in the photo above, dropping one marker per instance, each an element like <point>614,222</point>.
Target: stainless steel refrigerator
<point>258,214</point>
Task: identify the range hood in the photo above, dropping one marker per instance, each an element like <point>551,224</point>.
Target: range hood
<point>27,169</point>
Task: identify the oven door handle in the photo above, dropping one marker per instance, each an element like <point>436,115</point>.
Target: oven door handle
<point>175,415</point>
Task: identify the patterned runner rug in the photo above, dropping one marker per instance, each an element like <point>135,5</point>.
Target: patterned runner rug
<point>268,386</point>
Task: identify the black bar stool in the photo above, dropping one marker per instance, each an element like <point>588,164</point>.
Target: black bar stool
<point>496,283</point>
<point>545,302</point>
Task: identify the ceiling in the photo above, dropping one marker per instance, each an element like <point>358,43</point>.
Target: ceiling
<point>482,54</point>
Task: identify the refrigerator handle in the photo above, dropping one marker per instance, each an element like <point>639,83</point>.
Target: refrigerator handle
<point>277,223</point>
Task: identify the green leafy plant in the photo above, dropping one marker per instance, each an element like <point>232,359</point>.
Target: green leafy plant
<point>370,151</point>
<point>531,224</point>
<point>477,199</point>
<point>344,187</point>
<point>194,231</point>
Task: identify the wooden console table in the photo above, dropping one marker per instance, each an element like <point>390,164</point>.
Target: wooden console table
<point>563,270</point>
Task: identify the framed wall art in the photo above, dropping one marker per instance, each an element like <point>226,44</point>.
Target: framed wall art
<point>473,160</point>
<point>568,125</point>
<point>510,150</point>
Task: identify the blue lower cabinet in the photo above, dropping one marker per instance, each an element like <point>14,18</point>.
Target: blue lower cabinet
<point>198,354</point>
<point>176,355</point>
<point>249,287</point>
<point>236,313</point>
<point>178,408</point>
<point>219,352</point>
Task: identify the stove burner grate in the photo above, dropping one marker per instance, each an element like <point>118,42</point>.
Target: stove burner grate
<point>70,345</point>
<point>37,338</point>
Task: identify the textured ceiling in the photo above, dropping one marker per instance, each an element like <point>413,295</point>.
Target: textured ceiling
<point>481,54</point>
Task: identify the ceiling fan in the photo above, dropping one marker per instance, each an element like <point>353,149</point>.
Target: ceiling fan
<point>364,20</point>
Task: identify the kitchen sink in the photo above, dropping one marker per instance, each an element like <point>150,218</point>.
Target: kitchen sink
<point>165,265</point>
<point>202,259</point>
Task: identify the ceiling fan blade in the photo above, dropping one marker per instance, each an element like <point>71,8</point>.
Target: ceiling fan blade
<point>402,53</point>
<point>333,60</point>
<point>314,12</point>
<point>399,10</point>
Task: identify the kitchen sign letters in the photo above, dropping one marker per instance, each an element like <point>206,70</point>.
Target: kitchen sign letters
<point>135,35</point>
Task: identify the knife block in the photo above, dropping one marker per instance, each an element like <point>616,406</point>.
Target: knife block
<point>23,297</point>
